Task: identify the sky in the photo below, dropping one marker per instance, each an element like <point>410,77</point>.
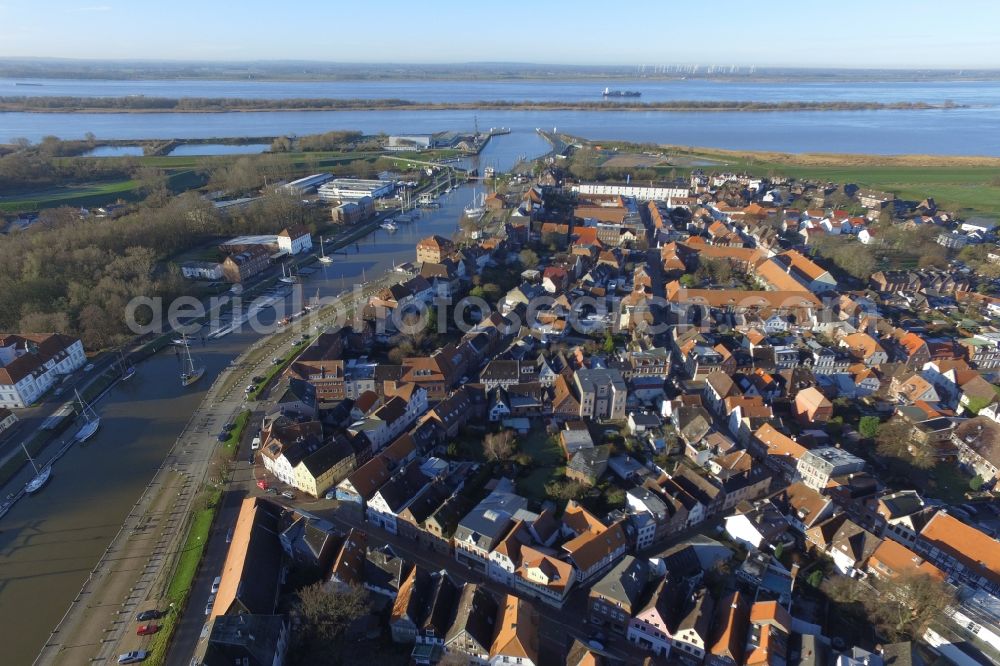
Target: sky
<point>805,33</point>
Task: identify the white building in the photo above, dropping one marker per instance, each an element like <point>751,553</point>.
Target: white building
<point>294,240</point>
<point>31,364</point>
<point>638,191</point>
<point>351,189</point>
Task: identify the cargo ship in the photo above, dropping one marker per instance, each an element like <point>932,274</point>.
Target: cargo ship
<point>608,92</point>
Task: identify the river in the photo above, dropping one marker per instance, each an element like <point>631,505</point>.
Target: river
<point>50,541</point>
<point>962,131</point>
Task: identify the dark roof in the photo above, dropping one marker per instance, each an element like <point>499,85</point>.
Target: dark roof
<point>383,569</point>
<point>243,639</point>
<point>402,487</point>
<point>624,583</point>
<point>328,455</point>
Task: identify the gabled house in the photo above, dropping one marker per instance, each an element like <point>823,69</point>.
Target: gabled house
<point>616,596</point>
<point>475,624</point>
<point>516,640</point>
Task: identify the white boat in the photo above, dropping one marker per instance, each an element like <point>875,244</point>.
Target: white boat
<point>41,475</point>
<point>389,225</point>
<point>91,421</point>
<point>191,373</point>
<point>477,208</point>
<point>38,481</point>
<point>323,259</point>
<point>404,218</point>
<point>287,279</point>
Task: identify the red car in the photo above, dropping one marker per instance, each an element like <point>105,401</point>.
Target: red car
<point>147,629</point>
<point>262,484</point>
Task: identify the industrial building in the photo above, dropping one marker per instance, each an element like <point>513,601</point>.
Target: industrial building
<point>352,189</point>
<point>308,184</point>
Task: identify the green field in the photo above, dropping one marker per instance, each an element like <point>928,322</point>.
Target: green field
<point>95,194</point>
<point>959,187</point>
<point>964,185</point>
<point>184,174</point>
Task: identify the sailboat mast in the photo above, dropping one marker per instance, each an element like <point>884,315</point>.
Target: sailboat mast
<point>30,459</point>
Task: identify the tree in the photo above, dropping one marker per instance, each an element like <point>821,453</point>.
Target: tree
<point>891,440</point>
<point>499,446</point>
<point>609,343</point>
<point>868,426</point>
<point>565,490</point>
<point>975,483</point>
<point>907,604</point>
<point>325,615</point>
<point>687,280</point>
<point>528,258</point>
<point>779,550</point>
<point>815,578</point>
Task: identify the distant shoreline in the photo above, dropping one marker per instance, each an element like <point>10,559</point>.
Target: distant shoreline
<point>140,104</point>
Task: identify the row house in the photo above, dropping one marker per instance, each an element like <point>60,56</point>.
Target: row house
<point>961,551</point>
<point>361,484</point>
<point>32,364</point>
<point>395,496</point>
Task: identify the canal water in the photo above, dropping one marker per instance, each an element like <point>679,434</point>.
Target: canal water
<point>49,542</point>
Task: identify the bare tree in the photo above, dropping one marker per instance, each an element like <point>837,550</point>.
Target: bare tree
<point>499,446</point>
<point>325,615</point>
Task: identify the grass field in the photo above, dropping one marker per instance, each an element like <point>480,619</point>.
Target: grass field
<point>94,194</point>
<point>546,457</point>
<point>184,173</point>
<point>965,185</point>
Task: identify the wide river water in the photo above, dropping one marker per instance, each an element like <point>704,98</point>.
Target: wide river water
<point>969,131</point>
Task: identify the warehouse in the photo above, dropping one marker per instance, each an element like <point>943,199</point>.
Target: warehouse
<point>352,189</point>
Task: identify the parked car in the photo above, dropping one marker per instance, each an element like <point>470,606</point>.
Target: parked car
<point>229,535</point>
<point>147,615</point>
<point>147,629</point>
<point>133,657</point>
<point>288,494</point>
<point>215,584</point>
<point>208,606</point>
<point>223,436</point>
<point>271,491</point>
<point>228,427</point>
<point>277,361</point>
<point>88,367</point>
<point>255,444</point>
<point>331,494</point>
<point>251,388</point>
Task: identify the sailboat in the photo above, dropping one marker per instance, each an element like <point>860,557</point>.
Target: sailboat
<point>477,208</point>
<point>128,370</point>
<point>191,373</point>
<point>289,278</point>
<point>323,259</point>
<point>41,475</point>
<point>91,421</point>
